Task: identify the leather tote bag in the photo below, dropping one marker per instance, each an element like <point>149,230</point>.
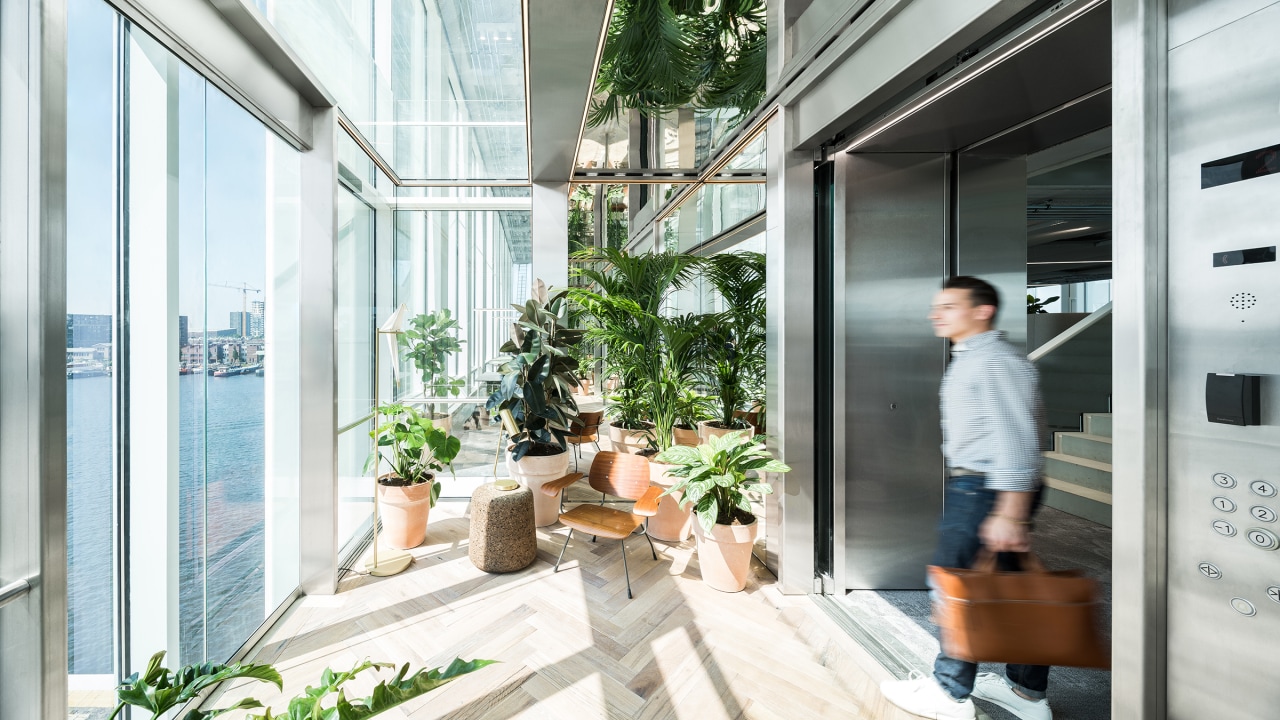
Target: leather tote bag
<point>1034,617</point>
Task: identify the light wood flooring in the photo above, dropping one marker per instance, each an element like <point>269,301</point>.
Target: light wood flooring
<point>571,644</point>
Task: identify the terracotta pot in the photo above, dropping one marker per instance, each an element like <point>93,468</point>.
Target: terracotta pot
<point>443,421</point>
<point>628,441</point>
<point>404,510</point>
<point>725,555</point>
<point>706,431</point>
<point>671,524</point>
<point>532,471</point>
<point>686,437</point>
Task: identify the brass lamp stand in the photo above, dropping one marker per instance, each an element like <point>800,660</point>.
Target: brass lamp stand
<point>392,561</point>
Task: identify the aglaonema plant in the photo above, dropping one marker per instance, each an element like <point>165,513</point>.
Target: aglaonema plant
<point>713,477</point>
<point>160,690</point>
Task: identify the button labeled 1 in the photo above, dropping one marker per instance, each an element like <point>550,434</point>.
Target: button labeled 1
<point>1263,513</point>
<point>1264,539</point>
<point>1224,504</point>
<point>1263,488</point>
<point>1224,528</point>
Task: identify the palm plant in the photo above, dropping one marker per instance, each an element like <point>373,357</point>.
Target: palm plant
<point>735,348</point>
<point>663,54</point>
<point>676,361</point>
<point>624,300</point>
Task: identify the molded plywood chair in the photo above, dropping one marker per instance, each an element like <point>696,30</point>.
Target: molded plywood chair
<point>588,430</point>
<point>621,475</point>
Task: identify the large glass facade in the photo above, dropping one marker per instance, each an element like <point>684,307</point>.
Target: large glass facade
<point>182,336</point>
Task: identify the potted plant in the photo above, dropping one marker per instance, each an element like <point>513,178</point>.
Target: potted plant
<point>428,342</point>
<point>535,398</point>
<point>713,478</point>
<point>674,359</point>
<point>692,409</point>
<point>159,690</point>
<point>415,450</point>
<point>735,346</point>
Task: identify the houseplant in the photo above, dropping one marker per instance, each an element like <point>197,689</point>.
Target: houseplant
<point>415,450</point>
<point>713,479</point>
<point>159,690</point>
<point>428,342</point>
<point>535,397</point>
<point>735,346</point>
<point>675,359</point>
<point>692,408</point>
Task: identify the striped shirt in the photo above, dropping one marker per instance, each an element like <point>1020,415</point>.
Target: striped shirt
<point>992,413</point>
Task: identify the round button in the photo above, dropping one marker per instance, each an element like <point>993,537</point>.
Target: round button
<point>1263,513</point>
<point>1224,480</point>
<point>1210,571</point>
<point>1273,592</point>
<point>1244,607</point>
<point>1224,528</point>
<point>1224,504</point>
<point>1263,488</point>
<point>1264,539</point>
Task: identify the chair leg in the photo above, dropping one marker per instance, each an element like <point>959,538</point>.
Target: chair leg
<point>566,546</point>
<point>646,537</point>
<point>626,572</point>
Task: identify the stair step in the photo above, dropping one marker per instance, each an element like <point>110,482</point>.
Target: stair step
<point>1092,474</point>
<point>1078,500</point>
<point>1084,445</point>
<point>1098,424</point>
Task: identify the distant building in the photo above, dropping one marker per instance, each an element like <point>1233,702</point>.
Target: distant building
<point>84,331</point>
<point>257,318</point>
<point>237,323</point>
<point>182,332</point>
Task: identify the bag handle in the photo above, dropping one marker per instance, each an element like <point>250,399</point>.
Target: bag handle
<point>986,561</point>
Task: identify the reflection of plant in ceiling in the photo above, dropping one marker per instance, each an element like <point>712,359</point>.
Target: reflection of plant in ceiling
<point>660,55</point>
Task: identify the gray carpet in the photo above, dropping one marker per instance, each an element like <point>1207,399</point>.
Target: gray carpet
<point>900,618</point>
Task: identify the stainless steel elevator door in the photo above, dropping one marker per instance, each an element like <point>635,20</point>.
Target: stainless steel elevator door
<point>1223,570</point>
<point>894,241</point>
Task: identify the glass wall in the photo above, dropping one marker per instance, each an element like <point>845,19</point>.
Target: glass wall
<point>182,336</point>
<point>355,329</point>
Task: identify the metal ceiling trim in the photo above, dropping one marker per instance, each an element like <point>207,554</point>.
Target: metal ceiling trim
<point>1047,113</point>
<point>591,89</point>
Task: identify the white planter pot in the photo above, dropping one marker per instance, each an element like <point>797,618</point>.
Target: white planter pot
<point>534,470</point>
<point>725,555</point>
<point>628,441</point>
<point>706,431</point>
<point>671,523</point>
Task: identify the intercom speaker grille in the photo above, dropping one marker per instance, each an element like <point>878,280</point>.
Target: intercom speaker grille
<point>1243,300</point>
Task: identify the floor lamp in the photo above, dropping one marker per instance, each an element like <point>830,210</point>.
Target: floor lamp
<point>393,561</point>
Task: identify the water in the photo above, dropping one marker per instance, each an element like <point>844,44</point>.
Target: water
<point>221,517</point>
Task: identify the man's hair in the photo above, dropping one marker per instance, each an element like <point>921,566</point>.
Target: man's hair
<point>980,291</point>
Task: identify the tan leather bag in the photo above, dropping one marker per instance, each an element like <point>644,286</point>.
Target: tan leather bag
<point>1034,617</point>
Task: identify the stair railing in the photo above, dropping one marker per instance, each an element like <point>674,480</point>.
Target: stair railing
<point>1065,336</point>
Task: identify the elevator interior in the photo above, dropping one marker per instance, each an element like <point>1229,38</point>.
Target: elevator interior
<point>999,169</point>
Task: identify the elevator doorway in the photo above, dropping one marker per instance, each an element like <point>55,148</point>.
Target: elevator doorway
<point>1002,170</point>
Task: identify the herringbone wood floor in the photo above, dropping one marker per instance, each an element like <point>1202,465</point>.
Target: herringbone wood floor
<point>572,645</point>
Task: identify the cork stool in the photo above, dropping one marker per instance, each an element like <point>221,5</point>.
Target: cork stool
<point>502,536</point>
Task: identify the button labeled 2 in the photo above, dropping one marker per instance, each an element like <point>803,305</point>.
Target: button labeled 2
<point>1263,513</point>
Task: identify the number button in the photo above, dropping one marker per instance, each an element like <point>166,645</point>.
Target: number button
<point>1264,539</point>
<point>1210,571</point>
<point>1224,480</point>
<point>1263,488</point>
<point>1224,528</point>
<point>1263,513</point>
<point>1224,504</point>
<point>1273,592</point>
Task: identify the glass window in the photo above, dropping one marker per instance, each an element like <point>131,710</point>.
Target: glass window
<point>355,327</point>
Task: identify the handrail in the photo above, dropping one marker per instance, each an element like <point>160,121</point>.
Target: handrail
<point>1065,336</point>
<point>13,591</point>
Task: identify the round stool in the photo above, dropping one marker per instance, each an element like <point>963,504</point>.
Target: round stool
<point>502,536</point>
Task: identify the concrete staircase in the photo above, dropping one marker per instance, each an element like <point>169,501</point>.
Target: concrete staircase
<point>1078,470</point>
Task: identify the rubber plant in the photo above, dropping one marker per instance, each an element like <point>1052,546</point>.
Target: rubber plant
<point>159,690</point>
<point>428,342</point>
<point>413,447</point>
<point>535,397</point>
<point>660,55</point>
<point>713,477</point>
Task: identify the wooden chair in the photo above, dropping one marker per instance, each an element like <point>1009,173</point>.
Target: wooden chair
<point>586,431</point>
<point>621,475</point>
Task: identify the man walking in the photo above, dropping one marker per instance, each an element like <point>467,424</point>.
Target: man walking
<point>991,410</point>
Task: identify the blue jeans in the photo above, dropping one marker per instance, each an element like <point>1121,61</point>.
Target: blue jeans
<point>968,502</point>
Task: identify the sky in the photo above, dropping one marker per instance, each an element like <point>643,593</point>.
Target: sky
<point>221,181</point>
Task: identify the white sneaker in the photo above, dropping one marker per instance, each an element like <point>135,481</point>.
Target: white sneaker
<point>924,697</point>
<point>995,689</point>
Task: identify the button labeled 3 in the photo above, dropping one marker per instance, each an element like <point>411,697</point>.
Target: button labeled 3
<point>1210,571</point>
<point>1264,539</point>
<point>1224,504</point>
<point>1263,488</point>
<point>1224,528</point>
<point>1263,513</point>
<point>1224,480</point>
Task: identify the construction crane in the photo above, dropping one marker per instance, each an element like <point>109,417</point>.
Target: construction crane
<point>244,304</point>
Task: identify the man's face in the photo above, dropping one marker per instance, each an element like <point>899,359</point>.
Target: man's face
<point>955,317</point>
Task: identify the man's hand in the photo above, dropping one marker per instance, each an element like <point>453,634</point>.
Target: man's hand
<point>1002,534</point>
